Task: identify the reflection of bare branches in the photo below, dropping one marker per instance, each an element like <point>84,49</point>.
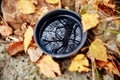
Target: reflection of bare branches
<point>65,36</point>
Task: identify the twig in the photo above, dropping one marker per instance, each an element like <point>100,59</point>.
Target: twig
<point>93,68</point>
<point>112,31</point>
<point>110,19</point>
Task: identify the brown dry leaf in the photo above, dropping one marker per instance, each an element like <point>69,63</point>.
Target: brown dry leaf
<point>5,30</point>
<point>48,66</point>
<point>34,53</point>
<point>119,66</point>
<point>79,63</point>
<point>97,50</point>
<point>28,37</point>
<point>108,9</point>
<point>89,21</point>
<point>52,1</point>
<point>25,6</point>
<point>111,67</point>
<point>15,47</point>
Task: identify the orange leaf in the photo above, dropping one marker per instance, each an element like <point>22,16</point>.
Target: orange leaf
<point>111,67</point>
<point>48,66</point>
<point>97,50</point>
<point>28,37</point>
<point>15,47</point>
<point>34,53</point>
<point>79,63</point>
<point>5,30</point>
<point>89,21</point>
<point>101,63</point>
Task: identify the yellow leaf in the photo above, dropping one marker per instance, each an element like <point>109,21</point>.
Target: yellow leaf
<point>48,66</point>
<point>28,37</point>
<point>25,6</point>
<point>89,21</point>
<point>97,50</point>
<point>79,63</point>
<point>52,1</point>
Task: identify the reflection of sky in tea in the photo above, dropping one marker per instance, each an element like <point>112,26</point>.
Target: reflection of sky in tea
<point>61,36</point>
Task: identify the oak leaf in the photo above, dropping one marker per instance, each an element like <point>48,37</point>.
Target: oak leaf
<point>34,53</point>
<point>28,37</point>
<point>97,50</point>
<point>48,66</point>
<point>52,1</point>
<point>5,30</point>
<point>14,48</point>
<point>25,6</point>
<point>79,63</point>
<point>89,21</point>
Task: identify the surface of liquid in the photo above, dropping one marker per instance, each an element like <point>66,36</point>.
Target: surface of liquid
<point>61,36</point>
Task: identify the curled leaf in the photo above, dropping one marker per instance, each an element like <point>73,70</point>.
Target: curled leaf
<point>15,47</point>
<point>48,66</point>
<point>28,37</point>
<point>79,63</point>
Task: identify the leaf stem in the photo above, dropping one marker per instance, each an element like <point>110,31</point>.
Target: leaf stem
<point>112,31</point>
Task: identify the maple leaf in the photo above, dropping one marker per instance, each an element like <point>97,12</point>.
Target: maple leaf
<point>48,66</point>
<point>25,6</point>
<point>89,21</point>
<point>28,37</point>
<point>79,63</point>
<point>34,53</point>
<point>97,50</point>
<point>14,48</point>
<point>52,1</point>
<point>5,30</point>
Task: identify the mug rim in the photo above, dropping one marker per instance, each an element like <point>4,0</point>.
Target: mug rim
<point>84,34</point>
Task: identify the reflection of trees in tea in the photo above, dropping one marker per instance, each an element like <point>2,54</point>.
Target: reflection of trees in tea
<point>61,36</point>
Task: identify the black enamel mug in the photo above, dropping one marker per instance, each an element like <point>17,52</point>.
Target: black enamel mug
<point>59,33</point>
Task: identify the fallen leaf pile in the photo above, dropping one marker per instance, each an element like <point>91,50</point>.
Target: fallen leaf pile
<point>20,17</point>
